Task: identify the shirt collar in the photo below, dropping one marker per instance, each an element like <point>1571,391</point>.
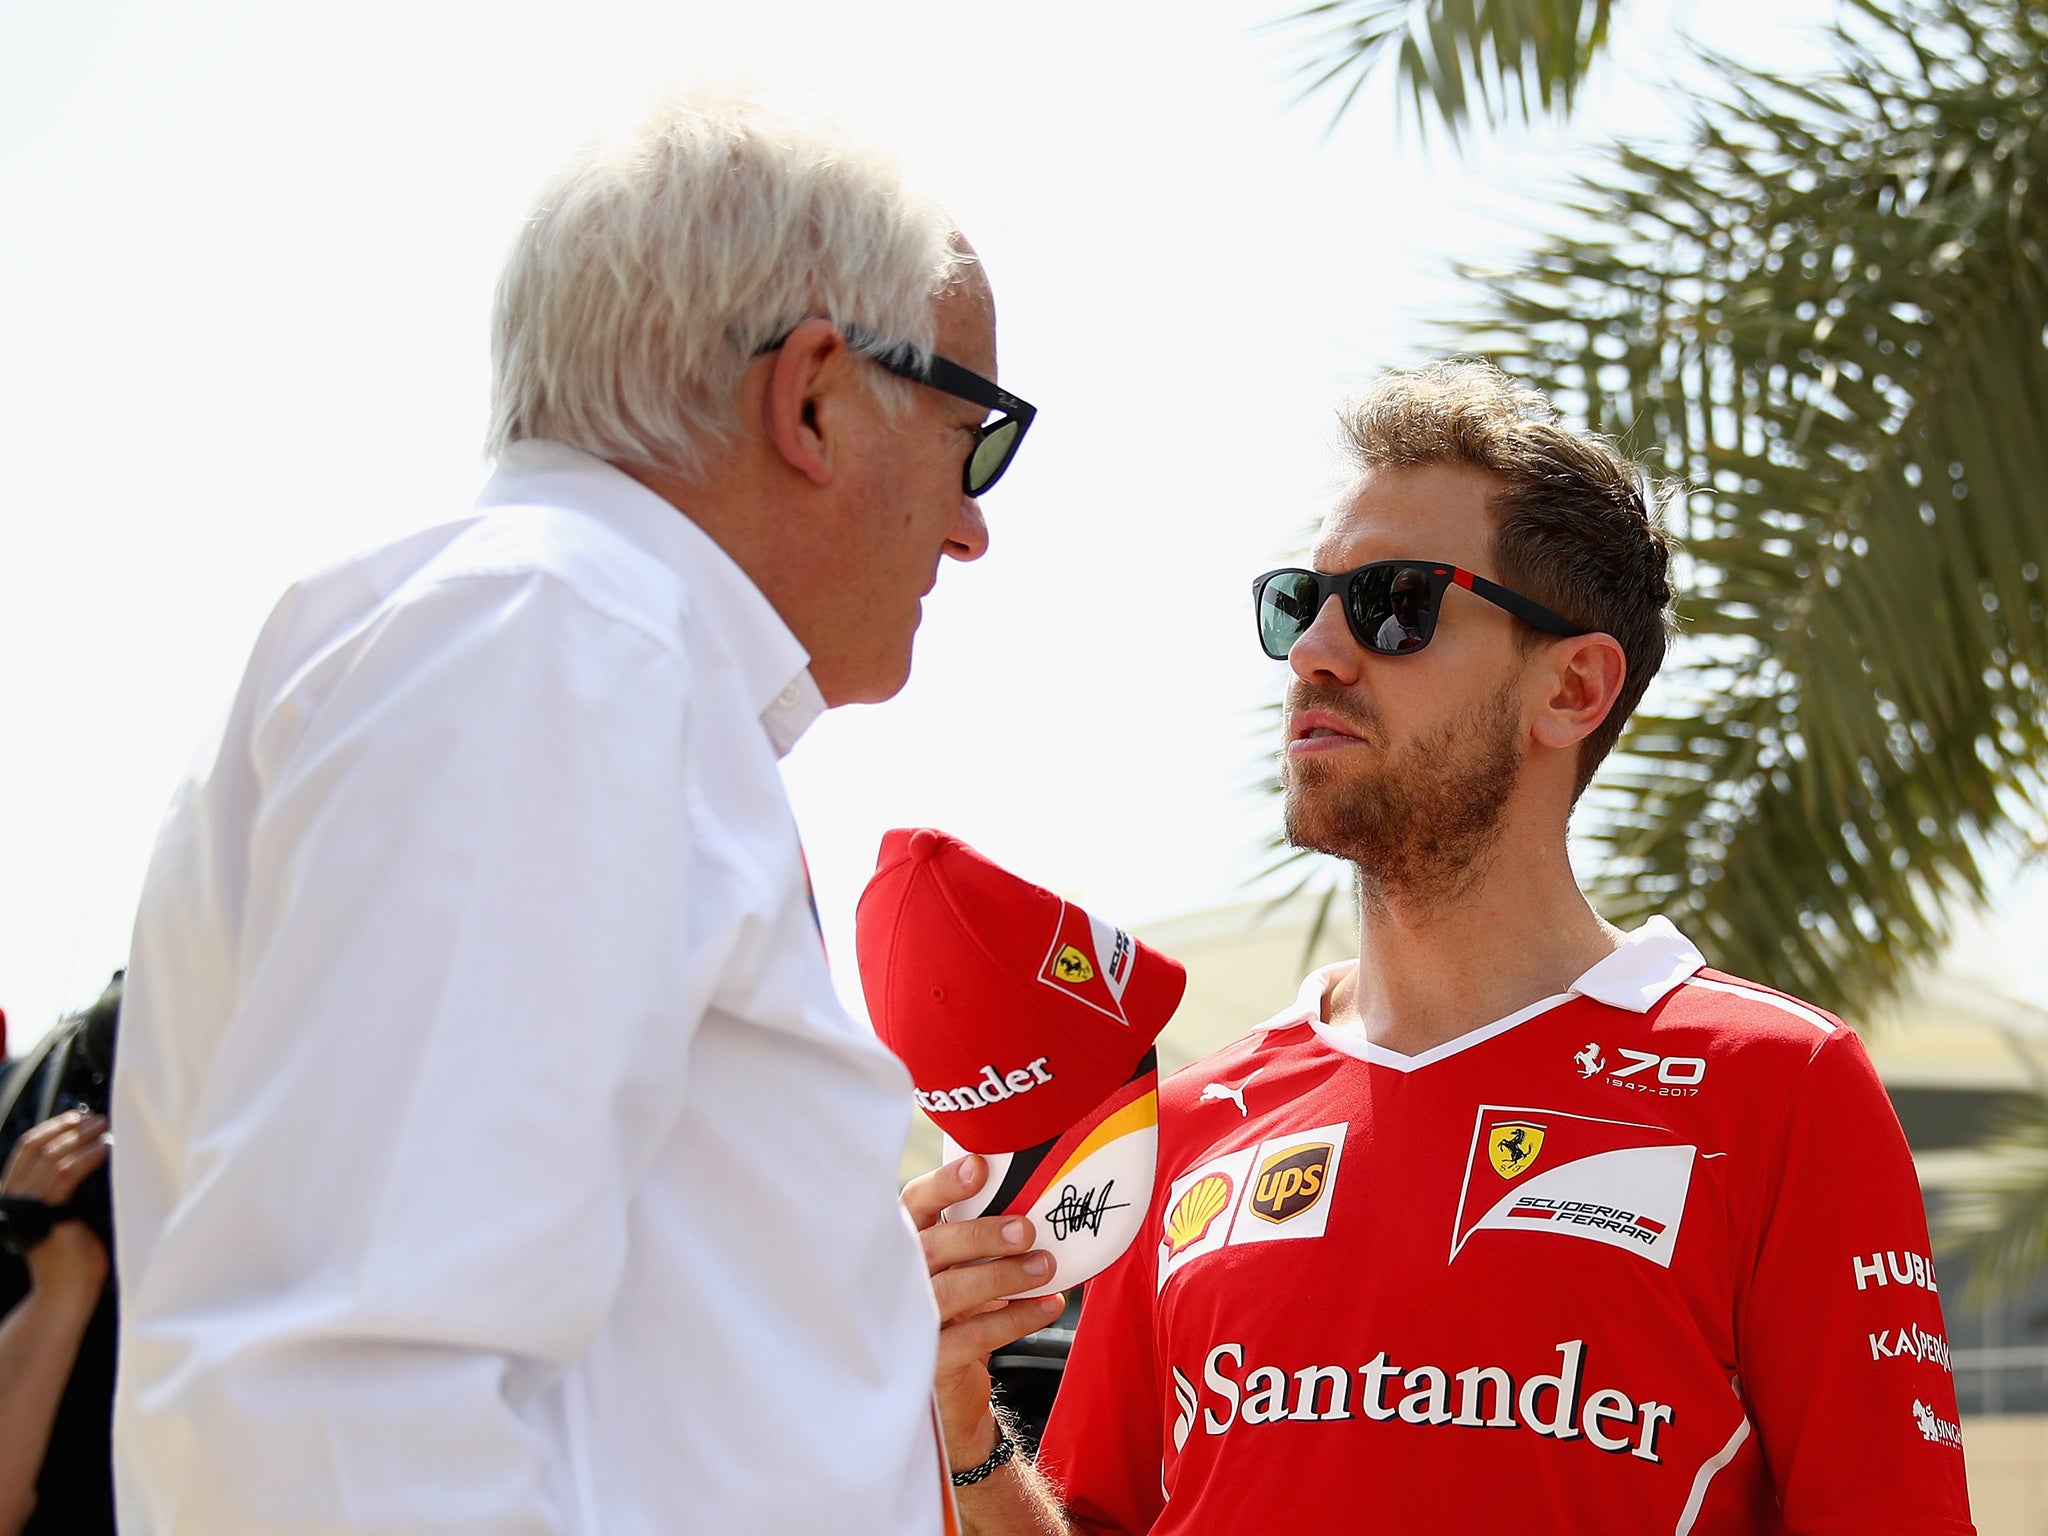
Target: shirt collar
<point>774,668</point>
<point>1646,965</point>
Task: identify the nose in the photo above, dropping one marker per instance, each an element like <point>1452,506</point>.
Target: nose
<point>967,539</point>
<point>1326,652</point>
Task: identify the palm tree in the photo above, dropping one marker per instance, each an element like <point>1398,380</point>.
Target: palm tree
<point>1825,311</point>
<point>1519,58</point>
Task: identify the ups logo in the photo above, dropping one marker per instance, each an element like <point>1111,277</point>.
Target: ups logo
<point>1291,1182</point>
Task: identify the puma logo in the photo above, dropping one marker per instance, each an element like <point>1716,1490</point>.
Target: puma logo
<point>1234,1095</point>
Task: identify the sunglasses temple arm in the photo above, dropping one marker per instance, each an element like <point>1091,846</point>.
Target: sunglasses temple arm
<point>1528,611</point>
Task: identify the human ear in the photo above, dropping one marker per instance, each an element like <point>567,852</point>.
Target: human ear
<point>808,368</point>
<point>1583,677</point>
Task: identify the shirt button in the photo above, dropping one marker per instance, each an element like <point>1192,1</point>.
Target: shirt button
<point>788,697</point>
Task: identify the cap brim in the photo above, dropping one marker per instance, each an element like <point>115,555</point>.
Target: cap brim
<point>1086,1191</point>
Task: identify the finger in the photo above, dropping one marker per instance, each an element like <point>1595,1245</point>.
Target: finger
<point>56,1125</point>
<point>28,1150</point>
<point>964,1242</point>
<point>84,1131</point>
<point>930,1193</point>
<point>42,1149</point>
<point>56,1130</point>
<point>963,1291</point>
<point>971,1340</point>
<point>62,1125</point>
<point>54,1154</point>
<point>73,1171</point>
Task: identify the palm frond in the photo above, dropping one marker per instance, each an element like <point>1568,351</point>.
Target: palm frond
<point>1827,315</point>
<point>1996,1221</point>
<point>1497,60</point>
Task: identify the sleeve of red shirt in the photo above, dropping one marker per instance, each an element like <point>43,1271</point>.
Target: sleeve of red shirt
<point>1842,1356</point>
<point>1102,1447</point>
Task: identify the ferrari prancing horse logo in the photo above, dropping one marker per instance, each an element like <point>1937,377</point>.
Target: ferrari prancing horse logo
<point>1513,1145</point>
<point>1072,967</point>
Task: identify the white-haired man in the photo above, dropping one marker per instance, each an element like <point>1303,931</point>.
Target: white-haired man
<point>494,1154</point>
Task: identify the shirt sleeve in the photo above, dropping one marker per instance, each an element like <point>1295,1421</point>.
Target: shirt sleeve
<point>1102,1449</point>
<point>1842,1356</point>
<point>474,943</point>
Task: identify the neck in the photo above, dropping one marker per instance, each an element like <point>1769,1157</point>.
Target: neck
<point>1432,968</point>
<point>718,502</point>
<point>754,529</point>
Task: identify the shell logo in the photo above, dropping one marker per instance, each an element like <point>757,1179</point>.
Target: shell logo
<point>1195,1212</point>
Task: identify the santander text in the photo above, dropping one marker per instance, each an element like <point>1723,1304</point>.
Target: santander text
<point>993,1088</point>
<point>1548,1403</point>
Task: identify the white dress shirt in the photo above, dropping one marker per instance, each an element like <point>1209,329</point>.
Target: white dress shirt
<point>494,1155</point>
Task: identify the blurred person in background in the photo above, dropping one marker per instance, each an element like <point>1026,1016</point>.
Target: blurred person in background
<point>495,1152</point>
<point>58,1315</point>
<point>46,1485</point>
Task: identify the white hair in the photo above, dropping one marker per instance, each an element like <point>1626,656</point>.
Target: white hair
<point>655,267</point>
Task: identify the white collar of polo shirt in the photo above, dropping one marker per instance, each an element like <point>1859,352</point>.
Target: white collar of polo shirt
<point>1643,969</point>
<point>774,667</point>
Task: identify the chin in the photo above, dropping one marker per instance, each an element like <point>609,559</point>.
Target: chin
<point>877,685</point>
<point>1307,824</point>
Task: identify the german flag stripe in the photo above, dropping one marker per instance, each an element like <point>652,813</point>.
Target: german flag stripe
<point>1131,1108</point>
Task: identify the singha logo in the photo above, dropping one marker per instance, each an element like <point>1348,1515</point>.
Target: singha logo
<point>1935,1429</point>
<point>1590,1061</point>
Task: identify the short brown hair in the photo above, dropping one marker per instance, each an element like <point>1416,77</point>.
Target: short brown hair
<point>1578,525</point>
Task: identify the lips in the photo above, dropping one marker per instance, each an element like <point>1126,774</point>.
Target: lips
<point>1320,725</point>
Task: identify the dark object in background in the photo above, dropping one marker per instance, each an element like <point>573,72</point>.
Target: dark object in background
<point>72,1068</point>
<point>1027,1373</point>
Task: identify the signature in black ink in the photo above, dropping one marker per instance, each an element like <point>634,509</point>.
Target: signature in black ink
<point>1076,1210</point>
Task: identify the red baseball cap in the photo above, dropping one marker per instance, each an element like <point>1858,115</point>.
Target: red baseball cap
<point>1027,1026</point>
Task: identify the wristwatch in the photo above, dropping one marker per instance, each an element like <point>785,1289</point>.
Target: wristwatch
<point>1005,1450</point>
<point>25,1222</point>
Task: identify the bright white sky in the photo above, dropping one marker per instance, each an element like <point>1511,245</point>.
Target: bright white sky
<point>246,263</point>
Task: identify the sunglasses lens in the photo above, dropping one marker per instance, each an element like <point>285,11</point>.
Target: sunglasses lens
<point>1393,607</point>
<point>1287,606</point>
<point>992,455</point>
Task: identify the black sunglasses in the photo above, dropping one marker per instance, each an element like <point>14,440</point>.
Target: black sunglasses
<point>1391,605</point>
<point>995,442</point>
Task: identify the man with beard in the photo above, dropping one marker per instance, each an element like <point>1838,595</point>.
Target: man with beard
<point>1519,1221</point>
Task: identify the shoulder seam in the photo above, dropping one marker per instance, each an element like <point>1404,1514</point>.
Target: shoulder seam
<point>1783,1004</point>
